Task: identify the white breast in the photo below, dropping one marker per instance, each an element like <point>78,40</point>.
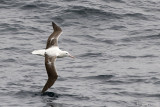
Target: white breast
<point>53,51</point>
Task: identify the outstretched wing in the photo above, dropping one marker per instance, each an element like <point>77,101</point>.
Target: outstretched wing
<point>53,38</point>
<point>51,71</point>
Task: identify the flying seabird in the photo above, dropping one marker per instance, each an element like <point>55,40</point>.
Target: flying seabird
<point>52,52</point>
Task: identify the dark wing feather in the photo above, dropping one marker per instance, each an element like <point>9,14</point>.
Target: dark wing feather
<point>53,38</point>
<point>51,71</point>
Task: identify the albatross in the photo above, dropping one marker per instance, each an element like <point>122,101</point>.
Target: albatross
<point>51,52</point>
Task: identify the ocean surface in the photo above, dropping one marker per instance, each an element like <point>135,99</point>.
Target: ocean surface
<point>116,44</point>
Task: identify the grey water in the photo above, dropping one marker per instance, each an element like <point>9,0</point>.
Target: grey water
<point>116,44</point>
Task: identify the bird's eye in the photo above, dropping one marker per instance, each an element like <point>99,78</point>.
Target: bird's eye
<point>66,53</point>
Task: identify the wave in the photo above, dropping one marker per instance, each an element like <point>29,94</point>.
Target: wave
<point>9,48</point>
<point>23,94</point>
<point>117,27</point>
<point>100,77</point>
<point>128,56</point>
<point>139,95</point>
<point>91,55</point>
<point>101,14</point>
<point>29,6</point>
<point>89,12</point>
<point>141,38</point>
<point>119,1</point>
<point>9,60</point>
<point>78,97</point>
<point>107,41</point>
<point>133,57</point>
<point>136,15</point>
<point>143,56</point>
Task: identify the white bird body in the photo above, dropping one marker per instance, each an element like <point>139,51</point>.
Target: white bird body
<point>53,51</point>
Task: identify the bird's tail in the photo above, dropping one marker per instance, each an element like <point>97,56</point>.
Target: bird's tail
<point>39,52</point>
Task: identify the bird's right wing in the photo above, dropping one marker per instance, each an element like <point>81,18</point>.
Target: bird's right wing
<point>51,71</point>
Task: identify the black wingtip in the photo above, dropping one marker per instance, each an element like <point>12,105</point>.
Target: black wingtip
<point>53,24</point>
<point>55,27</point>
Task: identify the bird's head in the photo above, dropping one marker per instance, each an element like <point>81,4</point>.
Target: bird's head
<point>65,54</point>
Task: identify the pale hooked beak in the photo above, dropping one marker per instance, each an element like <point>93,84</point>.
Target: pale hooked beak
<point>71,56</point>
